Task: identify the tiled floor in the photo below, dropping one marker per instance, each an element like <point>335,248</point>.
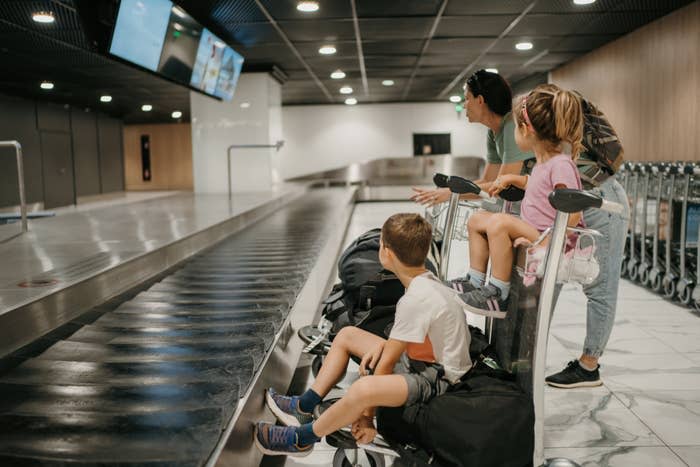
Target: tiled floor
<point>647,413</point>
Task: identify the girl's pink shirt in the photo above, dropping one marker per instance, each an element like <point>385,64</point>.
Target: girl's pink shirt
<point>535,208</point>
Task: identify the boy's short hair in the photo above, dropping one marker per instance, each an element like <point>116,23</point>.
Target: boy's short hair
<point>409,237</point>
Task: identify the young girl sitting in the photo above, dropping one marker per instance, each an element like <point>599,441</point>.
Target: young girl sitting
<point>549,122</point>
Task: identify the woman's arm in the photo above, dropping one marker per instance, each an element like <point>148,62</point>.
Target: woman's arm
<point>503,169</point>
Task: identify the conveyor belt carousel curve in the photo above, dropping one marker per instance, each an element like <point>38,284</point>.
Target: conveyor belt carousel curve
<point>156,380</point>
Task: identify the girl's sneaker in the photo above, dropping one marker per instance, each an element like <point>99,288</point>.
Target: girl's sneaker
<point>461,284</point>
<point>275,440</point>
<point>286,409</point>
<point>485,301</point>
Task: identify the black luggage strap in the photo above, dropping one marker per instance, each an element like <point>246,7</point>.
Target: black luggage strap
<point>592,174</point>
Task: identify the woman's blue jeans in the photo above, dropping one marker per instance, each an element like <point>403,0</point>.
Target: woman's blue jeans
<point>602,294</point>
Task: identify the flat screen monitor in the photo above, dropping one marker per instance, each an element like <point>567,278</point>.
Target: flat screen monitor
<point>180,46</point>
<point>140,31</point>
<point>163,38</point>
<point>230,70</point>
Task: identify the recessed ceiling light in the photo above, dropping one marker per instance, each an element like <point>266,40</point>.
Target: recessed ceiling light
<point>43,17</point>
<point>346,90</point>
<point>584,2</point>
<point>245,105</point>
<point>350,101</point>
<point>492,70</point>
<point>523,45</point>
<point>327,50</point>
<point>338,74</point>
<point>455,99</point>
<point>46,85</point>
<point>307,7</point>
<point>176,114</point>
<point>105,98</point>
<point>146,107</point>
<point>388,82</point>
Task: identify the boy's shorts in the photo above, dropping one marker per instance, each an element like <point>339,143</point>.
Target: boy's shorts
<point>425,380</point>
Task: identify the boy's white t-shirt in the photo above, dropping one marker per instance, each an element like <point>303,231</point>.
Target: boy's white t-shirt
<point>435,326</point>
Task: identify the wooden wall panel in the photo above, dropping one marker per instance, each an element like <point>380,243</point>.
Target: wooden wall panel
<point>648,83</point>
<point>171,156</point>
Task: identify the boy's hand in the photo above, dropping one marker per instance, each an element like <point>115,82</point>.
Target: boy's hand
<point>370,359</point>
<point>430,197</point>
<point>363,430</point>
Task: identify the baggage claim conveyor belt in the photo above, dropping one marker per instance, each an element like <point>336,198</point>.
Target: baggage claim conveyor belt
<point>174,375</point>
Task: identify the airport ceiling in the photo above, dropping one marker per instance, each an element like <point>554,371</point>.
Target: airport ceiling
<point>426,47</point>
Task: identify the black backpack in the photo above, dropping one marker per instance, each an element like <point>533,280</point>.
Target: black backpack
<point>600,141</point>
<point>367,294</point>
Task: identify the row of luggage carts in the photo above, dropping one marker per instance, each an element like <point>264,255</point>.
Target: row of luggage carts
<point>662,248</point>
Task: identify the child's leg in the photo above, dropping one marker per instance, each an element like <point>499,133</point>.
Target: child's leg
<point>502,230</point>
<point>349,341</point>
<point>478,243</point>
<point>368,391</point>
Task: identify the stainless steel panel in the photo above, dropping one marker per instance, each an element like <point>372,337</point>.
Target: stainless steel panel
<point>22,324</point>
<point>398,171</point>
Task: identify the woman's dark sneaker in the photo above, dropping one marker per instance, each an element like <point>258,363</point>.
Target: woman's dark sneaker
<point>575,376</point>
<point>485,301</point>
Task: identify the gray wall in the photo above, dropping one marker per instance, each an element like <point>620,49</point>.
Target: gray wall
<point>67,152</point>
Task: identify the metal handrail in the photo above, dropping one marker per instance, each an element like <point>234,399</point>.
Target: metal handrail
<point>278,145</point>
<point>20,176</point>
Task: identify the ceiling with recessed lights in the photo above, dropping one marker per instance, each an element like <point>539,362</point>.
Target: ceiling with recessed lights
<point>385,51</point>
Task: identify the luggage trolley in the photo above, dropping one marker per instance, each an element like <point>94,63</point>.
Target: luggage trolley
<point>632,182</point>
<point>686,282</point>
<point>638,232</point>
<point>670,279</point>
<point>655,275</point>
<point>566,201</point>
<point>652,182</point>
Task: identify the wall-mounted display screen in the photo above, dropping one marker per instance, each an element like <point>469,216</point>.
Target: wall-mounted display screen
<point>163,38</point>
<point>140,31</point>
<point>229,72</point>
<point>180,46</point>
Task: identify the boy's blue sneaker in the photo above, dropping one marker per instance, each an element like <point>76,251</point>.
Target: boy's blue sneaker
<point>485,301</point>
<point>286,409</point>
<point>275,440</point>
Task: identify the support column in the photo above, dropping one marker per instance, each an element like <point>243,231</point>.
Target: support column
<point>252,117</point>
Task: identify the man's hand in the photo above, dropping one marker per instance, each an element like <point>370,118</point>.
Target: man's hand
<point>430,197</point>
<point>363,430</point>
<point>370,359</point>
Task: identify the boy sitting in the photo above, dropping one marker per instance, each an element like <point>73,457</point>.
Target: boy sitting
<point>427,350</point>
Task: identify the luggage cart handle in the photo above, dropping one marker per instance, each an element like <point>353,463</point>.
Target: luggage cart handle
<point>440,180</point>
<point>461,186</point>
<point>569,200</point>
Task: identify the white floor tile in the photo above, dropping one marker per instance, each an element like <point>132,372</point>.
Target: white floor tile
<point>689,454</point>
<point>592,417</point>
<point>674,416</point>
<point>621,456</point>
